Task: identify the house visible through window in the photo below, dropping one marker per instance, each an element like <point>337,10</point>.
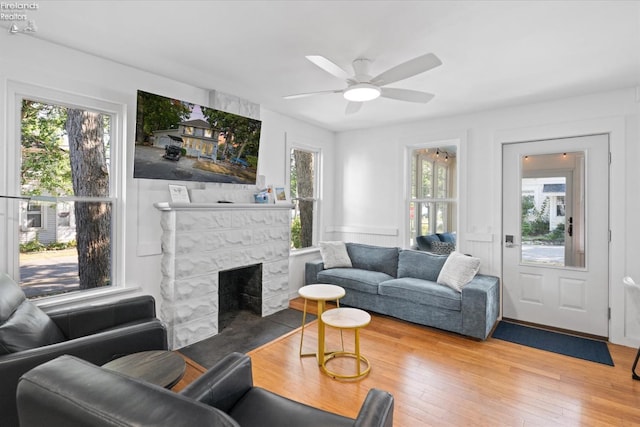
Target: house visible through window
<point>303,187</point>
<point>433,200</point>
<point>68,207</point>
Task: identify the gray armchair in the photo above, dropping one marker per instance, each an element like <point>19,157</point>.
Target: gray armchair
<point>96,333</point>
<point>73,393</point>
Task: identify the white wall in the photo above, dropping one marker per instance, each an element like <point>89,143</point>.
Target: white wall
<point>33,62</point>
<point>362,155</point>
<point>363,171</point>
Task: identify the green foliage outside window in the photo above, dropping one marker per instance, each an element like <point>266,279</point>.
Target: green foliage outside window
<point>535,222</point>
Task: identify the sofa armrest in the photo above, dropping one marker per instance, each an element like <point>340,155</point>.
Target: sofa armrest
<point>71,392</point>
<point>377,410</point>
<point>224,384</point>
<point>85,320</point>
<point>480,305</point>
<point>311,270</point>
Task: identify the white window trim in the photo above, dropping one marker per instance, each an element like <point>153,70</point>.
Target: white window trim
<point>317,218</point>
<point>10,181</point>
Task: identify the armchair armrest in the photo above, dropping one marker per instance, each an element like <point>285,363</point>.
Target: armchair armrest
<point>81,321</point>
<point>224,384</point>
<point>311,270</point>
<point>377,410</point>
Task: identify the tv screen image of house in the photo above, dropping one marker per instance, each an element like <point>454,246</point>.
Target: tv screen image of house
<point>179,140</point>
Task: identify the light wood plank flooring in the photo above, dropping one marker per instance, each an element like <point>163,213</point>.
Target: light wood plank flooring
<point>444,379</point>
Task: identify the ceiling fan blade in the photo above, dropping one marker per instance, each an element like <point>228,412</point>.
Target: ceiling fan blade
<point>406,95</point>
<point>304,95</point>
<point>329,66</point>
<point>353,107</point>
<point>407,69</point>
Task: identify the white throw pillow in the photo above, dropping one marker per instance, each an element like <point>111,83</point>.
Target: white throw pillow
<point>334,254</point>
<point>458,270</point>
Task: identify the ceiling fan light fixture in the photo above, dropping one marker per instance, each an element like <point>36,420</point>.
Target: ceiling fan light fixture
<point>362,92</point>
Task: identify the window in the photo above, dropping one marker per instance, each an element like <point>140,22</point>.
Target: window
<point>65,182</point>
<point>432,202</point>
<point>303,187</point>
<point>34,216</point>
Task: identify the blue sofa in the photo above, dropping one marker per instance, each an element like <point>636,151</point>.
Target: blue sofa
<point>402,283</point>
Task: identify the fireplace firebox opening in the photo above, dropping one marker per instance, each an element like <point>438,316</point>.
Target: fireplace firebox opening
<point>239,289</point>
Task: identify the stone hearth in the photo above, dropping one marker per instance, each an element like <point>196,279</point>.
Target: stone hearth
<point>201,239</point>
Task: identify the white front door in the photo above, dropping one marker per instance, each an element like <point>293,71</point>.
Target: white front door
<point>555,255</point>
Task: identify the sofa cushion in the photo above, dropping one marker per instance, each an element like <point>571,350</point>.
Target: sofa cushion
<point>422,292</point>
<point>334,254</point>
<point>458,270</point>
<point>22,324</point>
<point>353,278</point>
<point>374,258</point>
<point>420,265</point>
<point>424,242</point>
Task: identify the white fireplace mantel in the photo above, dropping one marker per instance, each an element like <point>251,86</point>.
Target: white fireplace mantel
<point>201,239</point>
<point>167,206</point>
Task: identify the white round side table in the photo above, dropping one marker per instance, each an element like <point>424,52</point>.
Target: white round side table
<point>347,318</point>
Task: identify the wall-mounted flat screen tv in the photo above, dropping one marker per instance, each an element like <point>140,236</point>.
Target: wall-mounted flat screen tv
<point>178,140</point>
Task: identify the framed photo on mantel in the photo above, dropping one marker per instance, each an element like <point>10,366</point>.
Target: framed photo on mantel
<point>280,195</point>
<point>179,193</point>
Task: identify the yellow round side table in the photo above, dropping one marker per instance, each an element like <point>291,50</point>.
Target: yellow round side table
<point>347,318</point>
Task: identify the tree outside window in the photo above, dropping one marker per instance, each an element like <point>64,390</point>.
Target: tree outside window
<point>303,190</point>
<point>65,154</point>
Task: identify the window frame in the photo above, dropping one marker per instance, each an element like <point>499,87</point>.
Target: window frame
<point>10,182</point>
<point>317,158</point>
<point>408,239</point>
<point>43,218</point>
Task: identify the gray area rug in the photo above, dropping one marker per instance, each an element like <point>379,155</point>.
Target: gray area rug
<point>244,332</point>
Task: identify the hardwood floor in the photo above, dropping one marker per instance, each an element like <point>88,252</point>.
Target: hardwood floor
<point>192,371</point>
<point>444,379</point>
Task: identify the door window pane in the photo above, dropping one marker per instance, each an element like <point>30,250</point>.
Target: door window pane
<point>552,214</point>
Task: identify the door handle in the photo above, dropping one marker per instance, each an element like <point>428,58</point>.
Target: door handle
<point>508,241</point>
<point>570,228</point>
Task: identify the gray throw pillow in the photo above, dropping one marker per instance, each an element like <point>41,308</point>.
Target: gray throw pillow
<point>334,255</point>
<point>458,270</point>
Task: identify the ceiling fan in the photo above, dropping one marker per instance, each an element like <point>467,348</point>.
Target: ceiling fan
<point>362,87</point>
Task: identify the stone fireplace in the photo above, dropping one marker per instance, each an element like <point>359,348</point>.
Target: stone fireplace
<point>242,242</point>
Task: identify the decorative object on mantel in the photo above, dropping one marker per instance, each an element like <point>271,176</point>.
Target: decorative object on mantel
<point>179,193</point>
<point>262,196</point>
<point>280,195</point>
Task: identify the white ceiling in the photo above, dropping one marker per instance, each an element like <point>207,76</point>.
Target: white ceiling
<point>494,53</point>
